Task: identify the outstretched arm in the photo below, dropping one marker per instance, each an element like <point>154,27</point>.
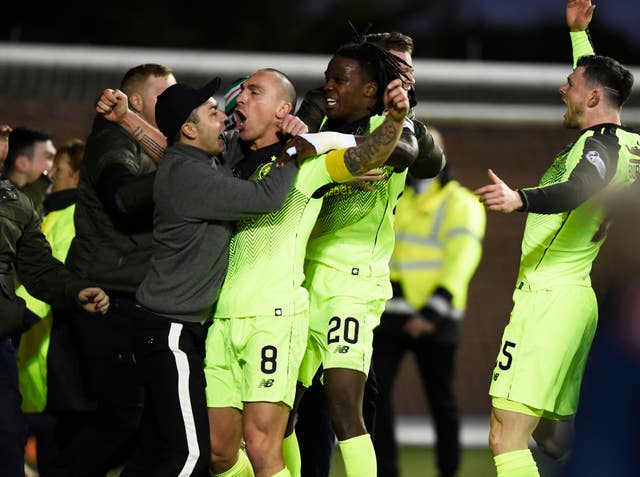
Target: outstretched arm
<point>579,14</point>
<point>114,106</point>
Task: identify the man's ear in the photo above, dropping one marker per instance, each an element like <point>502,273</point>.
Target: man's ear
<point>189,130</point>
<point>135,100</point>
<point>595,96</point>
<point>370,89</point>
<point>283,109</point>
<point>22,163</point>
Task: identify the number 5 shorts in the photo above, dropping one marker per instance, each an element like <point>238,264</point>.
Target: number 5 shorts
<point>344,310</point>
<point>254,359</point>
<point>544,351</point>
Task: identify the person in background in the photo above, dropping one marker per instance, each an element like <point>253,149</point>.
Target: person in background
<point>439,227</point>
<point>25,254</point>
<point>48,369</point>
<point>112,247</point>
<point>29,161</point>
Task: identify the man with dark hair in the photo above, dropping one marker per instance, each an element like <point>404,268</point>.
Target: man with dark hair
<point>29,159</point>
<point>536,382</point>
<point>26,255</point>
<point>112,247</point>
<point>349,251</point>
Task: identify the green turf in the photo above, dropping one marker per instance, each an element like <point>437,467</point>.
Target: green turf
<point>420,462</point>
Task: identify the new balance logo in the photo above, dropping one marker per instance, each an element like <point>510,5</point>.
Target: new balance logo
<point>266,383</point>
<point>341,349</point>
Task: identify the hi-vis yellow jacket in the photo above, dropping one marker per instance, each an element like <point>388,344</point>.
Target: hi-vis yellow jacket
<point>59,230</point>
<point>439,236</point>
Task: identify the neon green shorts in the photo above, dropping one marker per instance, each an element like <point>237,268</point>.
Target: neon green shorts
<point>254,359</point>
<point>544,350</point>
<point>344,310</point>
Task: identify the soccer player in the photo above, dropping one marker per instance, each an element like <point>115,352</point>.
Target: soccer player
<point>260,329</point>
<point>536,381</point>
<point>346,268</point>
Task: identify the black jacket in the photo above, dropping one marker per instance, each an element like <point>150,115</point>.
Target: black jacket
<point>114,213</point>
<point>25,252</point>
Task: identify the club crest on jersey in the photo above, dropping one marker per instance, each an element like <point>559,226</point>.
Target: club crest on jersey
<point>265,168</point>
<point>594,158</point>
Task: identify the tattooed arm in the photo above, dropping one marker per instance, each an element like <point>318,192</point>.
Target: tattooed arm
<point>374,149</point>
<point>114,106</point>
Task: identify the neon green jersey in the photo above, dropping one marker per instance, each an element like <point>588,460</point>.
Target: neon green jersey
<point>559,247</point>
<point>266,254</point>
<point>354,231</point>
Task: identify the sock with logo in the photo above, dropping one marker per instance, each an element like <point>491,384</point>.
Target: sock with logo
<point>291,454</point>
<point>242,468</point>
<point>358,456</point>
<point>518,463</point>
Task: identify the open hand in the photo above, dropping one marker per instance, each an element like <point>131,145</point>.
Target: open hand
<point>498,196</point>
<point>364,181</point>
<point>579,14</point>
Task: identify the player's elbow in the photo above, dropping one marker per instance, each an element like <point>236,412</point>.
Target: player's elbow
<point>405,152</point>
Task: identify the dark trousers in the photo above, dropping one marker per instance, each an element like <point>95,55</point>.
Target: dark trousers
<point>175,426</point>
<point>92,442</point>
<point>436,363</point>
<point>12,422</point>
<point>313,427</point>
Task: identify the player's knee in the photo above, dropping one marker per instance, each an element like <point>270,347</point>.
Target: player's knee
<point>262,450</point>
<point>222,459</point>
<point>495,441</point>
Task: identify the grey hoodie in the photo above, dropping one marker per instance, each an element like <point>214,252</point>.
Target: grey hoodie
<point>197,198</point>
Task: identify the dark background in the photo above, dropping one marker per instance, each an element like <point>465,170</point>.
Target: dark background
<point>509,30</point>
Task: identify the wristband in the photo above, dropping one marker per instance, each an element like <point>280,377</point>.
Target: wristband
<point>328,140</point>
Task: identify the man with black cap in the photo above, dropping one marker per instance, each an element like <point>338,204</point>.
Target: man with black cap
<point>196,201</point>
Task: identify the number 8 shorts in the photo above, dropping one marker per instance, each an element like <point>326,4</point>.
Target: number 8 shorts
<point>254,359</point>
<point>544,349</point>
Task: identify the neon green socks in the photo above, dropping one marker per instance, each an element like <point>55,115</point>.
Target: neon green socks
<point>518,463</point>
<point>359,456</point>
<point>242,468</point>
<point>291,454</point>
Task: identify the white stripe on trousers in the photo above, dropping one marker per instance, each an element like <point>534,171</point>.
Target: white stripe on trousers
<point>182,365</point>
